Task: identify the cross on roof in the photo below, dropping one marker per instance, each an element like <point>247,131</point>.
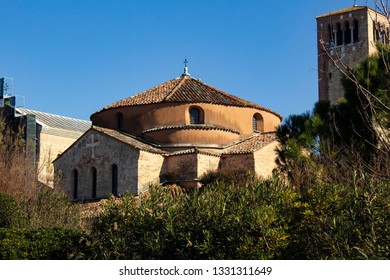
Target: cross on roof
<point>185,62</point>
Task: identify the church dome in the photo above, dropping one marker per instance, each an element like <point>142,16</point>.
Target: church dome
<point>184,89</point>
<point>184,112</point>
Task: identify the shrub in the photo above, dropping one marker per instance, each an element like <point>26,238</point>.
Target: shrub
<point>342,222</point>
<point>42,244</point>
<point>223,220</point>
<point>10,215</point>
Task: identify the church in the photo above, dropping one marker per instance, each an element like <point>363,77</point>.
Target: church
<point>173,133</point>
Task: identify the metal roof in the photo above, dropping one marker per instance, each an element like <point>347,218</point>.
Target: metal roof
<point>52,122</point>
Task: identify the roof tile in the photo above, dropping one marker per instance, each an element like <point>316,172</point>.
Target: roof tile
<point>251,144</point>
<point>186,90</point>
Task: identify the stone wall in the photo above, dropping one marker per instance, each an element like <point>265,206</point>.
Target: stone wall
<point>181,167</point>
<point>265,160</point>
<point>207,163</point>
<point>149,169</point>
<point>237,163</point>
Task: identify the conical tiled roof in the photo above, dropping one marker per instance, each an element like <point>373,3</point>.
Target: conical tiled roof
<point>185,90</point>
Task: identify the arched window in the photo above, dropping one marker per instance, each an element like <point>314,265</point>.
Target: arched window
<point>196,115</point>
<point>355,31</point>
<point>75,183</point>
<point>114,176</point>
<point>347,33</point>
<point>257,123</point>
<point>94,182</point>
<point>120,121</point>
<point>339,35</point>
<point>331,37</point>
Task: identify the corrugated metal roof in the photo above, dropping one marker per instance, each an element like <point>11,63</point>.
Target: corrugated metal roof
<point>185,90</point>
<point>56,122</point>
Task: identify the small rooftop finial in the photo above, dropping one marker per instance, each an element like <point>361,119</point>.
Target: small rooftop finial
<point>185,73</point>
<point>354,3</point>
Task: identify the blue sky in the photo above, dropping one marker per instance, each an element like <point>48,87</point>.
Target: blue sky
<point>73,57</point>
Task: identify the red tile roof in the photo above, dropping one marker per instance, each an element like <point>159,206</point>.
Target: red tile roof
<point>251,144</point>
<point>129,139</point>
<point>185,90</point>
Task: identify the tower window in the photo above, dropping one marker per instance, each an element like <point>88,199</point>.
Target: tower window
<point>347,33</point>
<point>355,31</point>
<point>75,183</point>
<point>339,35</point>
<point>196,116</point>
<point>94,182</point>
<point>114,177</point>
<point>257,123</point>
<point>331,39</point>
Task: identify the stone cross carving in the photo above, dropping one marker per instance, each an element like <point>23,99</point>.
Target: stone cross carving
<point>92,145</point>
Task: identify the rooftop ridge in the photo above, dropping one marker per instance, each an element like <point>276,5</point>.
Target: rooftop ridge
<point>345,10</point>
<point>182,79</point>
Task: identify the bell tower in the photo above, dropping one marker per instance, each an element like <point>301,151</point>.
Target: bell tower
<point>345,38</point>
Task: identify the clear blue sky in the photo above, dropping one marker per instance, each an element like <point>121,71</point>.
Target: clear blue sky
<point>73,57</point>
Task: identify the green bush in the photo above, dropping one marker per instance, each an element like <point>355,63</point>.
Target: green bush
<point>223,220</point>
<point>10,215</point>
<point>48,209</point>
<point>342,222</point>
<point>42,244</point>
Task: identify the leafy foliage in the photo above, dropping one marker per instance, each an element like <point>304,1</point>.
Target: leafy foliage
<point>221,221</point>
<point>10,214</point>
<point>42,244</point>
<point>340,222</point>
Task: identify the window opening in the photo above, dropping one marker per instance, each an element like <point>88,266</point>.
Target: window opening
<point>339,35</point>
<point>94,182</point>
<point>120,121</point>
<point>195,116</point>
<point>331,39</point>
<point>355,31</point>
<point>347,34</point>
<point>114,175</point>
<point>257,123</point>
<point>75,183</point>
